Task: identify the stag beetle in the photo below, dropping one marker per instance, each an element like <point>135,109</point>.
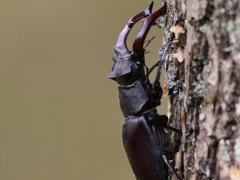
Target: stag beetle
<point>144,138</point>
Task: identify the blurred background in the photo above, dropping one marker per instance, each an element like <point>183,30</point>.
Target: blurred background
<point>59,114</point>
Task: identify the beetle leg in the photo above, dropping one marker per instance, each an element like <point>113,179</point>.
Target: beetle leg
<point>161,120</point>
<point>156,83</point>
<point>161,62</point>
<point>170,167</point>
<point>151,68</point>
<point>173,129</point>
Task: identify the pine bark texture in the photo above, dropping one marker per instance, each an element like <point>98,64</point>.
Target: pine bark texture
<point>204,89</point>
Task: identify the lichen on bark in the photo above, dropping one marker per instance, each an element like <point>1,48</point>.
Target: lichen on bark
<point>204,89</point>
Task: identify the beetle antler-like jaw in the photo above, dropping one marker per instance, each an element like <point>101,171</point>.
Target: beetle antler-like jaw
<point>120,46</point>
<point>139,41</point>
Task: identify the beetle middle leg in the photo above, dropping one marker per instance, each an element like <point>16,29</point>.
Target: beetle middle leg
<point>161,120</point>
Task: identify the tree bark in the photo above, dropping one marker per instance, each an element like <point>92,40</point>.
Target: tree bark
<point>204,89</point>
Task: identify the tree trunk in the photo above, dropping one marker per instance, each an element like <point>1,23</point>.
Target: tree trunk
<point>204,89</point>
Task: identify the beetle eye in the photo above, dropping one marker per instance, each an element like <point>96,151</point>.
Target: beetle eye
<point>134,57</point>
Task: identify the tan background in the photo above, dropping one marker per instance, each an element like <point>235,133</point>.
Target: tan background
<point>59,114</point>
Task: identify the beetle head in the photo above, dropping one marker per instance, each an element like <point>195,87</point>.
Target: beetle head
<point>129,66</point>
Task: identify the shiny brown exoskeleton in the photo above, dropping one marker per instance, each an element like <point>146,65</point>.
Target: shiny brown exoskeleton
<point>144,138</point>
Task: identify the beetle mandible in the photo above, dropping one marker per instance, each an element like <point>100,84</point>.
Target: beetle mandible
<point>144,138</point>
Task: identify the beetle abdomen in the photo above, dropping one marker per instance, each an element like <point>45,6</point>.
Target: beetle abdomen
<point>143,142</point>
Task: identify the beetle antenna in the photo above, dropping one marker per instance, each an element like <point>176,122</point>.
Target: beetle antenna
<point>148,42</point>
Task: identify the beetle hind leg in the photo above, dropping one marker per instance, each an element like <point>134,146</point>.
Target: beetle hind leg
<point>170,167</point>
